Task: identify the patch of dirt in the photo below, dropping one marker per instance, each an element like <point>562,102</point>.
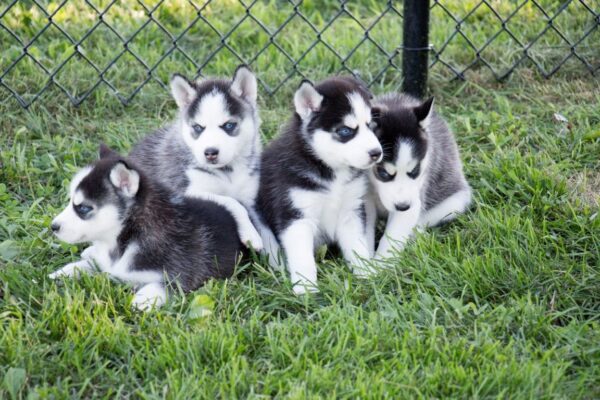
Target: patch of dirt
<point>586,185</point>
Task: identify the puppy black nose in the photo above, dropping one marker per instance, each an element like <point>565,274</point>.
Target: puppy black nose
<point>55,227</point>
<point>402,206</point>
<point>375,154</point>
<point>211,153</point>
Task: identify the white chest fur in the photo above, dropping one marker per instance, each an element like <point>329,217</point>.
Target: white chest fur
<point>238,183</point>
<point>328,209</point>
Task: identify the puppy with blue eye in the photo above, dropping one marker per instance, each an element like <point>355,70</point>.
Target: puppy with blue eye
<point>314,184</point>
<point>139,235</point>
<point>212,149</point>
<point>420,181</point>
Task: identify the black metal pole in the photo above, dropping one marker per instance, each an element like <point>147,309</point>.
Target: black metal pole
<point>416,46</point>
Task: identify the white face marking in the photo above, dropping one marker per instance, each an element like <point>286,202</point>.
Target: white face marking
<point>350,121</point>
<point>362,112</point>
<point>390,168</point>
<point>78,178</point>
<point>212,114</point>
<point>77,197</point>
<point>102,224</point>
<point>355,152</point>
<point>402,190</point>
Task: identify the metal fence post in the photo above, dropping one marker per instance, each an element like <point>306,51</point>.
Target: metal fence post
<point>415,46</point>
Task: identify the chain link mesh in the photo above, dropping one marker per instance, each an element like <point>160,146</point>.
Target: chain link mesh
<point>83,48</point>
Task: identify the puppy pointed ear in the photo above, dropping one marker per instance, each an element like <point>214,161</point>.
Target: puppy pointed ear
<point>244,84</point>
<point>423,111</point>
<point>307,100</point>
<point>125,179</point>
<point>377,110</point>
<point>182,90</point>
<point>104,151</point>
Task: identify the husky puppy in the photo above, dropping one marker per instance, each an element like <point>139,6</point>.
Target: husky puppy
<point>420,181</point>
<point>314,181</point>
<point>140,235</point>
<point>212,150</point>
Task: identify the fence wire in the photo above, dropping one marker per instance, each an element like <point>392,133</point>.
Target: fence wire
<point>87,47</point>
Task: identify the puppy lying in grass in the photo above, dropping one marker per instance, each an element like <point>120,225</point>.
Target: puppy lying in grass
<point>140,235</point>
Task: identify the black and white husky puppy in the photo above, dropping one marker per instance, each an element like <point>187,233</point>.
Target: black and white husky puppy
<point>314,182</point>
<point>140,235</point>
<point>212,150</point>
<point>420,181</point>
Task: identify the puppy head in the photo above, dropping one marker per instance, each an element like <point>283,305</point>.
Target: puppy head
<point>100,197</point>
<point>335,117</point>
<point>218,117</point>
<point>402,132</point>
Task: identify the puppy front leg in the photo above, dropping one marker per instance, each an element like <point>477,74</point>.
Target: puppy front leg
<point>246,230</point>
<point>149,296</point>
<point>88,253</point>
<point>298,241</point>
<point>73,269</point>
<point>399,228</point>
<point>354,241</point>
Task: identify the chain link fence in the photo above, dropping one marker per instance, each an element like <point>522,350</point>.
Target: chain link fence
<point>85,48</point>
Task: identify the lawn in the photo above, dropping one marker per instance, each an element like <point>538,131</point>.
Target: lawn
<point>502,303</point>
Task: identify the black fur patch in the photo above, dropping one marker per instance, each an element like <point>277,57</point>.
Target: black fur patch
<point>396,125</point>
<point>226,169</point>
<point>235,106</point>
<point>362,212</point>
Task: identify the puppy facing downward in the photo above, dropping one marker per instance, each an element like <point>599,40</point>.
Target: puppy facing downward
<point>420,181</point>
<point>140,236</point>
<point>212,150</point>
<point>313,182</point>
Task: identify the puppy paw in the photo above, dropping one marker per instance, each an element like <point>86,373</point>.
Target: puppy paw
<point>152,295</point>
<point>251,239</point>
<point>302,288</point>
<point>70,270</point>
<point>88,253</point>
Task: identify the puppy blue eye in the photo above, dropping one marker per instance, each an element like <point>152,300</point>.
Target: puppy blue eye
<point>229,126</point>
<point>415,172</point>
<point>345,133</point>
<point>82,210</point>
<point>197,130</point>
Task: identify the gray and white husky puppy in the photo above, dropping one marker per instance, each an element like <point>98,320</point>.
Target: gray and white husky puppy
<point>140,235</point>
<point>420,181</point>
<point>314,183</point>
<point>212,150</point>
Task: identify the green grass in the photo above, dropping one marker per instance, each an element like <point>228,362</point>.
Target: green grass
<point>502,303</point>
